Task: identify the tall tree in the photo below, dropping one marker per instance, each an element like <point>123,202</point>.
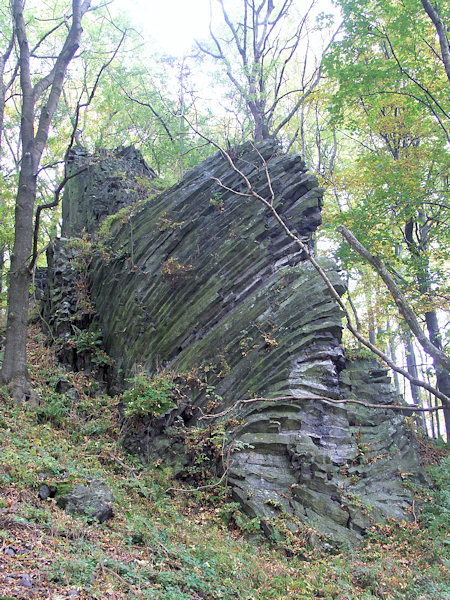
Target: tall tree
<point>39,100</point>
<point>393,97</point>
<point>256,47</point>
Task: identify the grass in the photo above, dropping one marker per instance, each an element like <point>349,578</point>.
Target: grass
<point>172,546</point>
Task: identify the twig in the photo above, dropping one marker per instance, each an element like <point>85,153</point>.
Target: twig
<point>40,208</point>
<point>94,89</point>
<point>413,510</point>
<point>201,487</point>
<point>130,470</point>
<point>126,583</point>
<point>324,399</point>
<point>251,193</point>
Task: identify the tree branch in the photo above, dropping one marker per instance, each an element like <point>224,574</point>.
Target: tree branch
<point>414,80</point>
<point>94,89</point>
<point>312,86</point>
<point>398,407</point>
<point>441,30</point>
<point>69,48</point>
<point>398,297</point>
<point>251,193</point>
<point>42,207</point>
<point>148,105</point>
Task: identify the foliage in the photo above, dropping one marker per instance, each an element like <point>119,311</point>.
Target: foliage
<point>89,341</point>
<point>391,89</point>
<point>175,271</point>
<point>149,396</point>
<point>179,547</point>
<point>436,512</point>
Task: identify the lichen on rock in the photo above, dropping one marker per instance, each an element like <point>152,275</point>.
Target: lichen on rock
<point>203,282</point>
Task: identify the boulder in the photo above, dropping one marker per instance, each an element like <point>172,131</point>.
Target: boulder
<point>93,499</point>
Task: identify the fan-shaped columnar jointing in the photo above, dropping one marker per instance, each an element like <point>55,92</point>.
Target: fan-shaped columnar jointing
<point>203,280</point>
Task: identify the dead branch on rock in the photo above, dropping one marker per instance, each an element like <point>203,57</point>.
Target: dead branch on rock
<point>400,407</point>
<point>252,193</point>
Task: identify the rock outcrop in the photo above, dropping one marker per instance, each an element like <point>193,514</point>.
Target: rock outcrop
<point>201,281</point>
<point>93,499</point>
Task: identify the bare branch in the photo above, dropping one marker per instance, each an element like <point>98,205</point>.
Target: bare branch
<point>334,293</point>
<point>94,89</point>
<point>42,207</point>
<point>326,400</point>
<point>3,60</point>
<point>414,80</point>
<point>148,105</point>
<point>398,297</point>
<point>69,48</point>
<point>312,86</point>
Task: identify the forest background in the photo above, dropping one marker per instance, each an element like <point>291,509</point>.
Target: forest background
<point>359,89</point>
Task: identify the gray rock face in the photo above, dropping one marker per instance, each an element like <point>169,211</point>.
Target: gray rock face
<point>335,467</point>
<point>110,183</point>
<point>203,282</point>
<point>93,500</point>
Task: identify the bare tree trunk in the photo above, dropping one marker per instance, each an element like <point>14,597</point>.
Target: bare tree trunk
<point>2,266</point>
<point>3,59</point>
<point>34,139</point>
<point>438,424</point>
<point>393,355</point>
<point>370,315</point>
<point>442,375</point>
<point>411,365</point>
<point>354,311</point>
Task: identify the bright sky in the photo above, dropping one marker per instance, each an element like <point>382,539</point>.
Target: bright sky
<point>172,24</point>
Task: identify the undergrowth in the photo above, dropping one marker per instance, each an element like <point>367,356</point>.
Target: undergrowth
<point>173,546</point>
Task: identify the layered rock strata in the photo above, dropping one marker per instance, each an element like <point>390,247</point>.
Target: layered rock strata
<point>202,281</point>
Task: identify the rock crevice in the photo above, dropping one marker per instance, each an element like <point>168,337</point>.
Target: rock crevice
<point>203,282</point>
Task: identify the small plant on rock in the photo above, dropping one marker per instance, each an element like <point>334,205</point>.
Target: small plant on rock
<point>175,271</point>
<point>149,396</point>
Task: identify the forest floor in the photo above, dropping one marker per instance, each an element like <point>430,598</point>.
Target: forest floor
<point>179,546</point>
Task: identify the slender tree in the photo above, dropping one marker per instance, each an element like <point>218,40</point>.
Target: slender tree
<point>257,51</point>
<point>39,101</point>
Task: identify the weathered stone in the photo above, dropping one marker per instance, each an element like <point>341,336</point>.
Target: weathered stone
<point>93,500</point>
<point>203,281</point>
<point>110,182</point>
<point>26,581</point>
<point>47,491</point>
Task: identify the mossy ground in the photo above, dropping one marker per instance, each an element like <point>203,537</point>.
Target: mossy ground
<point>173,545</point>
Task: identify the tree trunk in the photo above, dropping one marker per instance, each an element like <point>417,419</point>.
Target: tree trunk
<point>417,250</point>
<point>34,139</point>
<point>261,127</point>
<point>14,370</point>
<point>370,315</point>
<point>442,375</point>
<point>411,365</point>
<point>393,355</point>
<point>2,266</point>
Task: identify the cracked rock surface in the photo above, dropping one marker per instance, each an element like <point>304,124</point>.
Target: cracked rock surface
<point>201,280</point>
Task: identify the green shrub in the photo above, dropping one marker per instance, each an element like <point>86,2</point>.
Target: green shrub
<point>149,396</point>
